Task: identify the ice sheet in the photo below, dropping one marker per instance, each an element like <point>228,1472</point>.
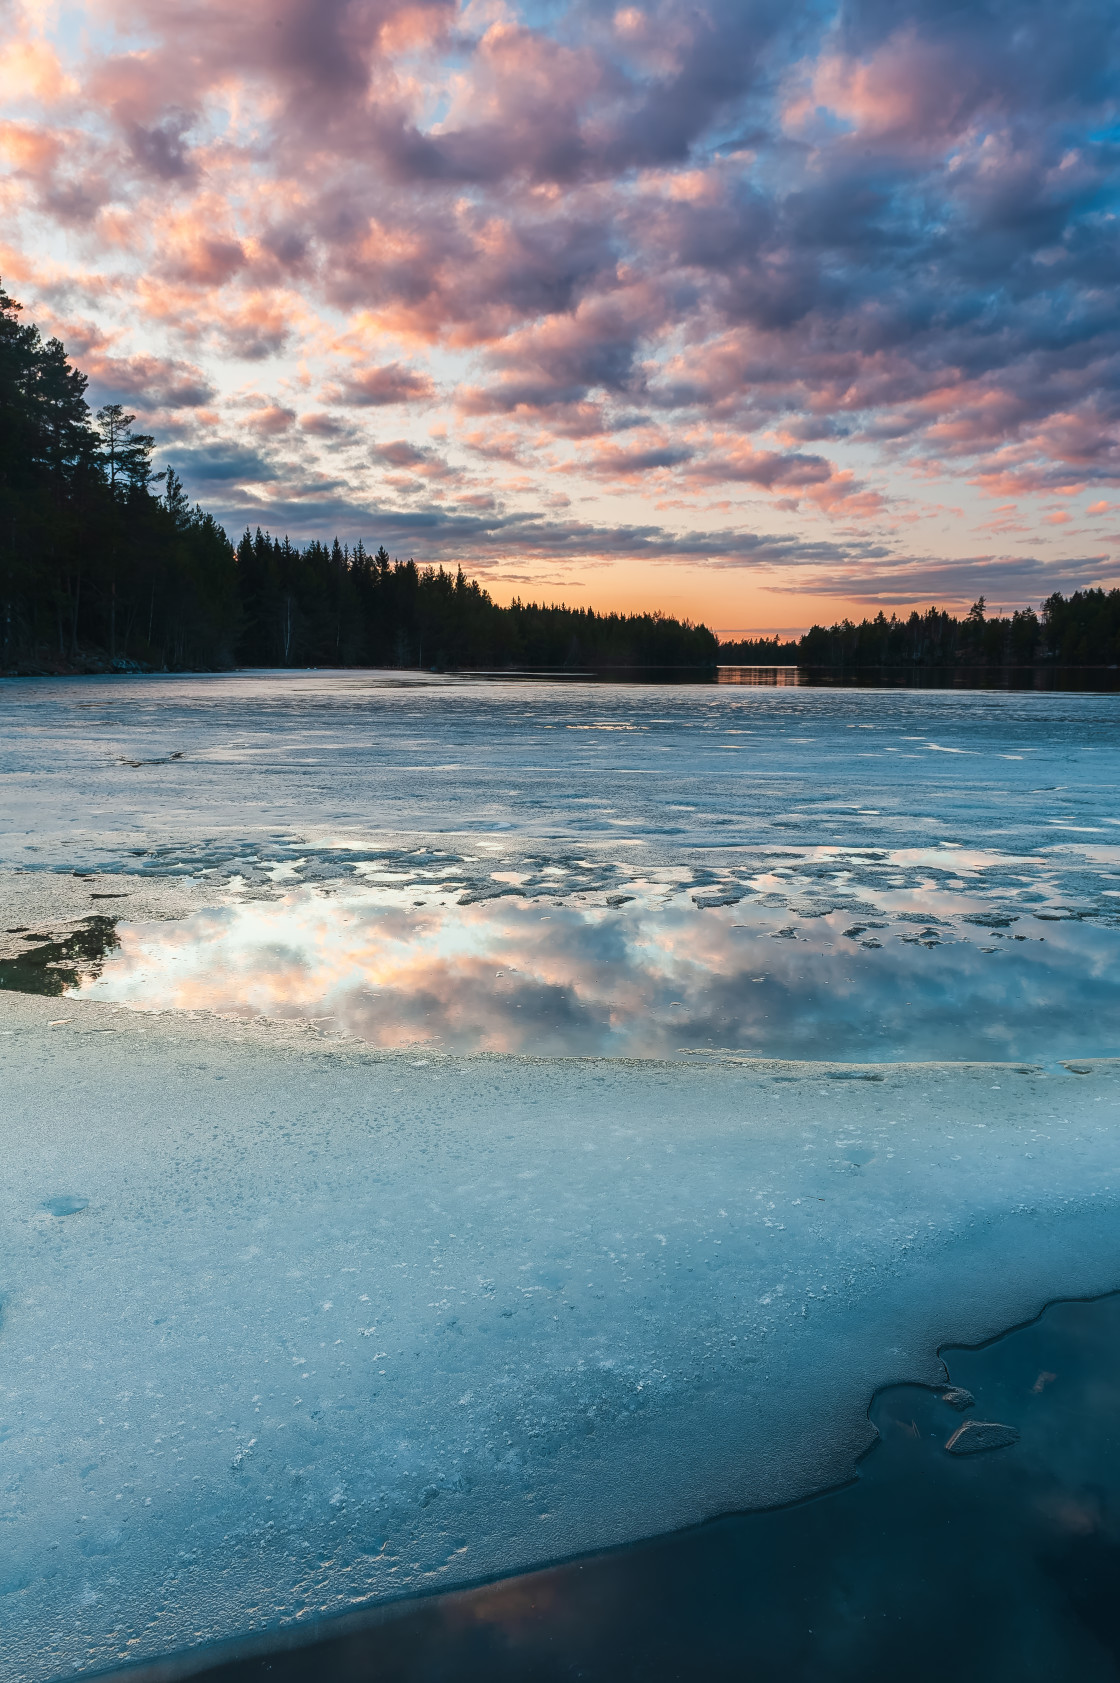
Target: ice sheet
<point>330,1325</point>
<point>799,795</point>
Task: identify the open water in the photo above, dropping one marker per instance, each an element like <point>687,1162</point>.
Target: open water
<point>653,976</point>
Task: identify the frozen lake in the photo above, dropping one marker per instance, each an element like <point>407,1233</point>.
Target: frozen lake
<point>489,1121</point>
<point>904,787</point>
<point>581,869</point>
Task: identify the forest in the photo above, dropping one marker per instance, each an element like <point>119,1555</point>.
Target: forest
<point>329,605</point>
<point>1078,630</point>
<point>106,566</point>
<point>102,562</point>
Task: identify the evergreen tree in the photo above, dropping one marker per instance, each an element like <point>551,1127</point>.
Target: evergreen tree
<point>67,442</point>
<point>94,568</point>
<point>1081,630</point>
<point>127,454</point>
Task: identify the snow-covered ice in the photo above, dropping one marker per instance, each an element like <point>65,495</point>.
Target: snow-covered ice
<point>289,1322</point>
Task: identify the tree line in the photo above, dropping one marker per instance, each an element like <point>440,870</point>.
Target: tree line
<point>1078,630</point>
<point>100,557</point>
<point>330,605</point>
<point>106,565</point>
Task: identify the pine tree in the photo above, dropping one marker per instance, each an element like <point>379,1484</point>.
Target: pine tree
<point>67,441</point>
<point>96,568</point>
<point>175,499</point>
<point>127,454</point>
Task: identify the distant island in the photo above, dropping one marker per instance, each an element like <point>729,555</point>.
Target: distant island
<point>106,566</point>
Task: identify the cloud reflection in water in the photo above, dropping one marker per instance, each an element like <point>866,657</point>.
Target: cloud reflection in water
<point>652,978</point>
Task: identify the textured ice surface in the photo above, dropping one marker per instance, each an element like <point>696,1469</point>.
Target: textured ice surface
<point>285,1325</point>
<point>335,1325</point>
<point>802,797</point>
<point>977,1436</point>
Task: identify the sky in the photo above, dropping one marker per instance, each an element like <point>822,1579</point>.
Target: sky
<point>758,311</point>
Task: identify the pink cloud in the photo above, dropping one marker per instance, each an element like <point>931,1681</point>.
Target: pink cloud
<point>705,250</point>
<point>910,89</point>
<point>732,460</point>
<point>150,382</point>
<point>377,387</point>
<point>425,464</point>
<point>31,70</point>
<point>273,419</point>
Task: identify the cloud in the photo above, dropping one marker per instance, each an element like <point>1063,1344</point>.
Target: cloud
<point>150,382</point>
<point>322,424</point>
<point>617,461</point>
<point>208,466</point>
<point>161,148</point>
<point>820,262</point>
<point>426,464</point>
<point>30,66</point>
<point>376,387</point>
<point>1008,580</point>
<point>272,419</point>
<point>487,536</point>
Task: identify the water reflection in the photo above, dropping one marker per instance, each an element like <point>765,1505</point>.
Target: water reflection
<point>646,975</point>
<point>769,677</point>
<point>1104,679</point>
<point>50,967</point>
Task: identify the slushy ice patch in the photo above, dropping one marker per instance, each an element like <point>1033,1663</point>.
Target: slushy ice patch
<point>645,975</point>
<point>289,775</point>
<point>65,1204</point>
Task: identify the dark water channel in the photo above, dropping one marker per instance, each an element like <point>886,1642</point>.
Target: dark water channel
<point>1104,679</point>
<point>1000,1564</point>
